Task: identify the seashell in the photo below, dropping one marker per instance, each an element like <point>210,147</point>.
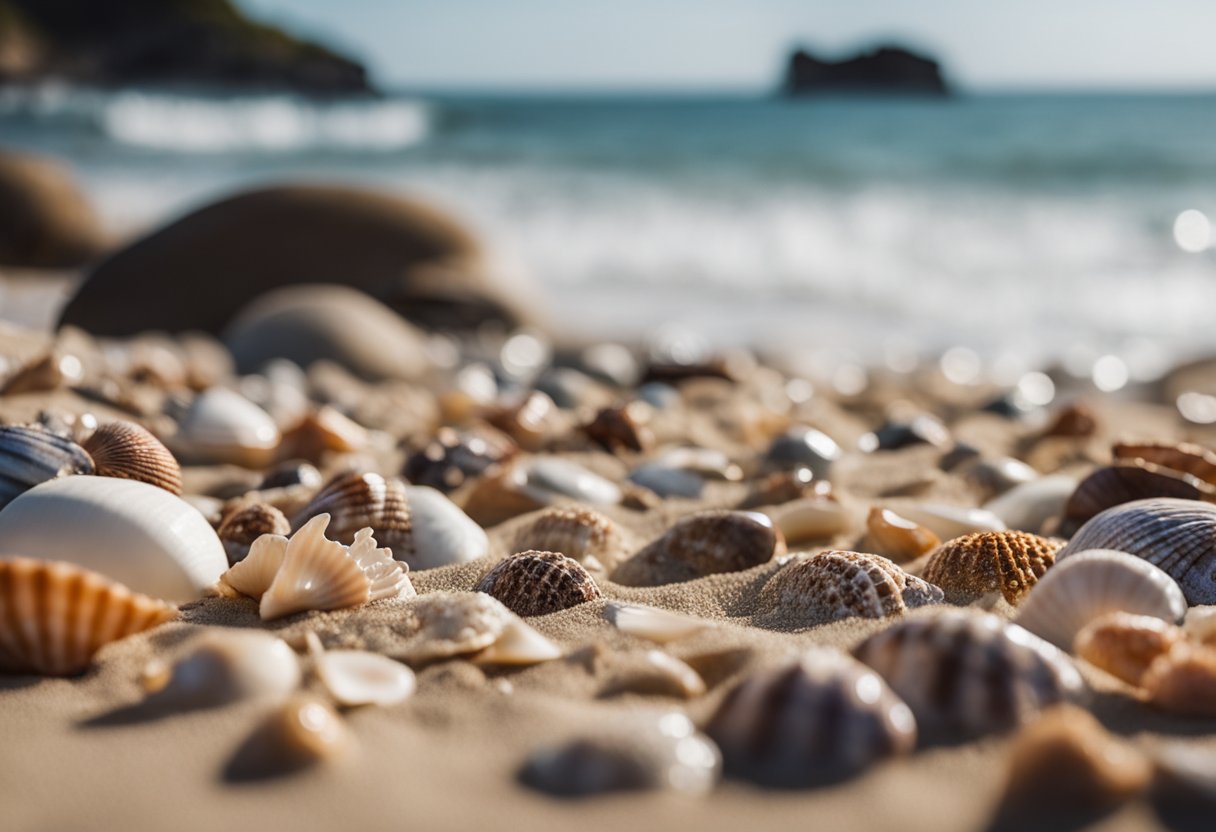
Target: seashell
<point>949,522</point>
<point>703,544</point>
<point>1178,536</point>
<point>622,428</point>
<point>1183,457</point>
<point>922,430</point>
<point>810,518</point>
<point>825,717</point>
<point>534,483</point>
<point>707,463</point>
<point>131,532</point>
<point>1124,645</point>
<point>538,583</point>
<point>991,477</point>
<point>897,538</point>
<point>783,487</point>
<point>1090,584</point>
<point>48,372</point>
<point>657,673</point>
<point>802,447</point>
<point>1067,766</point>
<point>519,644</point>
<point>833,585</point>
<point>977,564</point>
<point>1200,624</point>
<point>1028,507</point>
<point>223,426</point>
<point>55,616</point>
<point>31,455</point>
<point>666,754</point>
<point>291,474</point>
<point>130,452</point>
<point>461,623</point>
<point>356,677</point>
<point>1126,482</point>
<point>1075,421</point>
<point>658,625</point>
<point>532,420</point>
<point>224,665</point>
<point>667,481</point>
<point>301,732</point>
<point>968,673</point>
<point>452,458</point>
<point>579,533</point>
<point>322,431</point>
<point>1183,681</point>
<point>240,528</point>
<point>572,389</point>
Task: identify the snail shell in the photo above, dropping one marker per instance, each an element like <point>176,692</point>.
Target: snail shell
<point>538,583</point>
<point>31,455</point>
<point>579,533</point>
<point>977,564</point>
<point>1127,482</point>
<point>704,544</point>
<point>1124,645</point>
<point>240,528</point>
<point>896,537</point>
<point>223,426</point>
<point>224,665</point>
<point>130,452</point>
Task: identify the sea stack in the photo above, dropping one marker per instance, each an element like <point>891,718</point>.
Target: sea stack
<point>883,70</point>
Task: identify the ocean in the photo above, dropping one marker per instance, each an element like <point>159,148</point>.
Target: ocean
<point>1016,228</point>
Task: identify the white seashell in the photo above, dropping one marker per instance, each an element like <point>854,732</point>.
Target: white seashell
<point>227,665</point>
<point>949,522</point>
<point>134,533</point>
<point>549,479</point>
<point>667,481</point>
<point>519,644</point>
<point>709,463</point>
<point>387,577</point>
<point>1090,584</point>
<point>810,518</point>
<point>357,677</point>
<point>1028,507</point>
<point>223,426</point>
<point>442,533</point>
<point>658,625</point>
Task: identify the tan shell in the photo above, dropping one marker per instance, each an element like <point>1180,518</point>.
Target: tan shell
<point>704,544</point>
<point>1124,645</point>
<point>977,564</point>
<point>538,583</point>
<point>896,537</point>
<point>822,718</point>
<point>655,673</point>
<point>319,432</point>
<point>130,452</point>
<point>580,533</point>
<point>810,518</point>
<point>240,528</point>
<point>298,733</point>
<point>1126,482</point>
<point>1184,457</point>
<point>655,624</point>
<point>1183,681</point>
<point>531,483</point>
<point>621,428</point>
<point>969,673</point>
<point>54,616</point>
<point>1075,421</point>
<point>836,584</point>
<point>472,623</point>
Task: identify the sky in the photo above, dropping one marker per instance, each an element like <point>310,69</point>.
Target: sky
<point>686,44</point>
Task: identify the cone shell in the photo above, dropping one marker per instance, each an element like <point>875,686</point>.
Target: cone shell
<point>1183,457</point>
<point>1183,681</point>
<point>1124,645</point>
<point>130,452</point>
<point>32,455</point>
<point>579,533</point>
<point>976,564</point>
<point>1178,536</point>
<point>836,584</point>
<point>896,537</point>
<point>241,527</point>
<point>316,574</point>
<point>538,583</point>
<point>704,544</point>
<point>1090,584</point>
<point>55,616</point>
<point>965,673</point>
<point>822,718</point>
<point>1128,481</point>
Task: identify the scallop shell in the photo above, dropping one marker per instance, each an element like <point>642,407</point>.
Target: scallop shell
<point>130,452</point>
<point>835,584</point>
<point>1090,584</point>
<point>452,458</point>
<point>977,564</point>
<point>240,528</point>
<point>579,533</point>
<point>1129,481</point>
<point>1184,457</point>
<point>223,665</point>
<point>810,518</point>
<point>896,537</point>
<point>55,616</point>
<point>658,625</point>
<point>704,544</point>
<point>1124,645</point>
<point>357,677</point>
<point>32,455</point>
<point>949,522</point>
<point>134,533</point>
<point>1178,536</point>
<point>622,428</point>
<point>538,583</point>
<point>822,718</point>
<point>802,447</point>
<point>968,673</point>
<point>223,426</point>
<point>462,623</point>
<point>253,574</point>
<point>1183,681</point>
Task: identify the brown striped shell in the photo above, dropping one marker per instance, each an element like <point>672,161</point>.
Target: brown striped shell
<point>356,501</point>
<point>580,533</point>
<point>241,527</point>
<point>896,537</point>
<point>967,673</point>
<point>976,564</point>
<point>704,544</point>
<point>130,452</point>
<point>1183,681</point>
<point>1124,645</point>
<point>1177,536</point>
<point>836,584</point>
<point>824,717</point>
<point>54,616</point>
<point>1183,456</point>
<point>538,583</point>
<point>1126,482</point>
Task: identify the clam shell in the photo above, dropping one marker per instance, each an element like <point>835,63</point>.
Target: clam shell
<point>224,665</point>
<point>1178,536</point>
<point>30,455</point>
<point>822,718</point>
<point>130,452</point>
<point>896,537</point>
<point>810,518</point>
<point>977,564</point>
<point>1129,481</point>
<point>658,625</point>
<point>1124,645</point>
<point>223,426</point>
<point>240,528</point>
<point>949,522</point>
<point>1090,584</point>
<point>1183,681</point>
<point>579,533</point>
<point>538,583</point>
<point>1028,507</point>
<point>968,673</point>
<point>356,677</point>
<point>1184,457</point>
<point>704,544</point>
<point>835,584</point>
<point>134,533</point>
<point>55,616</point>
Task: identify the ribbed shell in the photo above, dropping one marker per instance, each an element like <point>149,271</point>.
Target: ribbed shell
<point>1185,457</point>
<point>31,455</point>
<point>54,616</point>
<point>836,584</point>
<point>1183,681</point>
<point>130,452</point>
<point>355,501</point>
<point>240,528</point>
<point>1124,645</point>
<point>538,583</point>
<point>1091,584</point>
<point>1178,536</point>
<point>976,564</point>
<point>1129,481</point>
<point>254,573</point>
<point>822,718</point>
<point>576,532</point>
<point>966,673</point>
<point>316,574</point>
<point>704,544</point>
<point>898,538</point>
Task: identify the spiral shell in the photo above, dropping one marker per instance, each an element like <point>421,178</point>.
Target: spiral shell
<point>896,537</point>
<point>1124,645</point>
<point>31,455</point>
<point>55,616</point>
<point>704,544</point>
<point>580,533</point>
<point>836,584</point>
<point>822,718</point>
<point>977,564</point>
<point>240,528</point>
<point>968,673</point>
<point>538,583</point>
<point>1184,457</point>
<point>1178,536</point>
<point>1129,481</point>
<point>1183,681</point>
<point>129,451</point>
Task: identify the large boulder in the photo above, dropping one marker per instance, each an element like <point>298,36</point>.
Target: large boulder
<point>45,221</point>
<point>197,272</point>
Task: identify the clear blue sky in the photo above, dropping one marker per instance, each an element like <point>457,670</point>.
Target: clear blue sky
<point>740,43</point>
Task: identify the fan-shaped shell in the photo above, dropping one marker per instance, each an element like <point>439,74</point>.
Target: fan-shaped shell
<point>704,544</point>
<point>968,673</point>
<point>223,665</point>
<point>55,616</point>
<point>253,574</point>
<point>1128,481</point>
<point>538,583</point>
<point>896,537</point>
<point>1090,584</point>
<point>1178,536</point>
<point>824,717</point>
<point>32,455</point>
<point>241,527</point>
<point>1006,562</point>
<point>130,452</point>
<point>837,584</point>
<point>1184,457</point>
<point>223,426</point>
<point>580,533</point>
<point>1124,645</point>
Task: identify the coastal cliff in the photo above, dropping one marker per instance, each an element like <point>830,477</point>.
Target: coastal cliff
<point>886,69</point>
